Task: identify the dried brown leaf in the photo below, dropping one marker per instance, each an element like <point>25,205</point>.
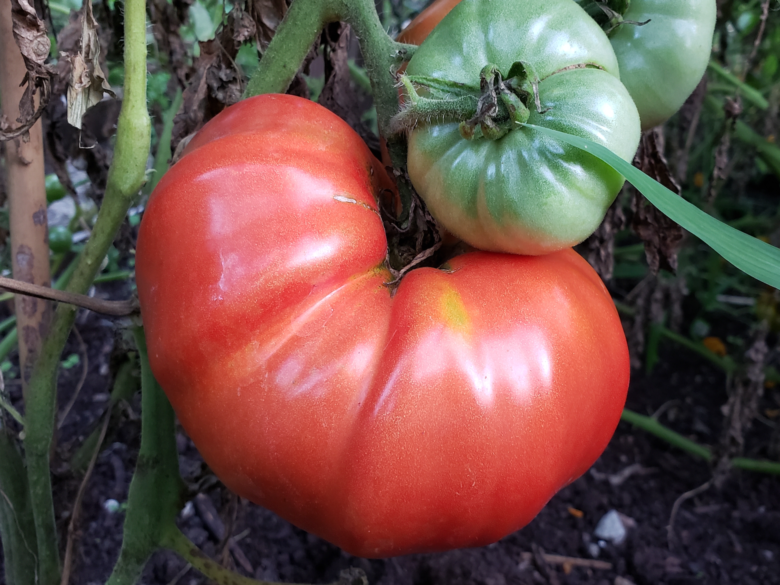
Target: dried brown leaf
<point>267,14</point>
<point>746,390</point>
<point>33,42</point>
<point>88,83</point>
<point>732,108</point>
<point>30,34</point>
<point>662,236</point>
<point>338,94</point>
<point>599,248</point>
<point>167,20</point>
<point>217,81</point>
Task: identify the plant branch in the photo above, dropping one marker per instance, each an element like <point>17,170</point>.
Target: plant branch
<point>652,426</point>
<point>9,408</point>
<point>382,56</point>
<point>125,178</point>
<point>154,496</point>
<point>114,308</point>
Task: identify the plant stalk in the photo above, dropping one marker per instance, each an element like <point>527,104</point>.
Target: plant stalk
<point>652,426</point>
<point>26,189</point>
<point>153,500</point>
<point>382,56</point>
<point>17,528</point>
<point>125,178</point>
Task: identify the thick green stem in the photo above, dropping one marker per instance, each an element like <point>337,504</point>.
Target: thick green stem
<point>154,496</point>
<point>126,176</point>
<point>293,40</point>
<point>300,29</point>
<point>17,528</point>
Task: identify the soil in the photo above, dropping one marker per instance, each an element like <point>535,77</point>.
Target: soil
<point>727,535</point>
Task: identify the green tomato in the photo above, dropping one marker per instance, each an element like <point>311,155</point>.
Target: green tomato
<point>524,193</point>
<point>54,189</point>
<point>663,61</point>
<point>60,239</point>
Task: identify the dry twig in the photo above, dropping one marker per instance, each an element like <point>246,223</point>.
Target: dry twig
<point>113,308</point>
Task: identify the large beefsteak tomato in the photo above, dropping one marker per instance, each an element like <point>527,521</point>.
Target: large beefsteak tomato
<point>444,415</point>
<point>523,193</point>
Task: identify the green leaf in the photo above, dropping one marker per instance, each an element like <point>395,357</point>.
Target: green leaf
<point>752,256</point>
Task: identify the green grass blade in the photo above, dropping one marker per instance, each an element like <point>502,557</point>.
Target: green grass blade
<point>750,93</point>
<point>752,256</point>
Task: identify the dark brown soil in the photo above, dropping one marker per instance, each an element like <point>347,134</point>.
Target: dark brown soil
<point>725,536</point>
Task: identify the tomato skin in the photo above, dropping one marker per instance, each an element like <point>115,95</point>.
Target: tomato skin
<point>662,62</point>
<point>444,416</point>
<point>422,25</point>
<point>524,193</point>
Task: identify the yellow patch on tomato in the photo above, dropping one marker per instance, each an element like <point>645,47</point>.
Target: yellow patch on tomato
<point>454,311</point>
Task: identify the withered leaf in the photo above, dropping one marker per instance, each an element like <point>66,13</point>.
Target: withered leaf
<point>745,392</point>
<point>166,21</point>
<point>88,83</point>
<point>31,38</point>
<point>30,33</point>
<point>732,108</point>
<point>599,248</point>
<point>662,236</point>
<point>267,14</point>
<point>337,94</point>
<point>216,82</point>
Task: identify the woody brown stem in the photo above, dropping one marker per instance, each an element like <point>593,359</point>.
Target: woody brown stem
<point>113,308</point>
<point>27,201</point>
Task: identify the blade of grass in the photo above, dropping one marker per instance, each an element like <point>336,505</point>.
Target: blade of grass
<point>754,257</point>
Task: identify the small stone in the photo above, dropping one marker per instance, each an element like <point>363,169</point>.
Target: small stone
<point>768,555</point>
<point>611,528</point>
<point>188,511</point>
<point>594,550</point>
<point>111,506</point>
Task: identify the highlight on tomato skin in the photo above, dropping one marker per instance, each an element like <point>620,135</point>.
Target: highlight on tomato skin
<point>442,417</point>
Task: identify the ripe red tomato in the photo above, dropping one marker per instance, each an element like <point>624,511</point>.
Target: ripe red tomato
<point>445,415</point>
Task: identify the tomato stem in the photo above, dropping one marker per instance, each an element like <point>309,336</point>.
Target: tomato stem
<point>382,56</point>
<point>652,426</point>
<point>126,176</point>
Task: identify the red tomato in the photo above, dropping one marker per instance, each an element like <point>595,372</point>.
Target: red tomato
<point>445,415</point>
<point>422,25</point>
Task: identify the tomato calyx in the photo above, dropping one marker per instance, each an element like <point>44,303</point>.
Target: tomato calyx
<point>501,104</point>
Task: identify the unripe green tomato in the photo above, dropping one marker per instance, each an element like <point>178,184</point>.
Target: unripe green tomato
<point>663,61</point>
<point>60,239</point>
<point>54,189</point>
<point>524,193</point>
